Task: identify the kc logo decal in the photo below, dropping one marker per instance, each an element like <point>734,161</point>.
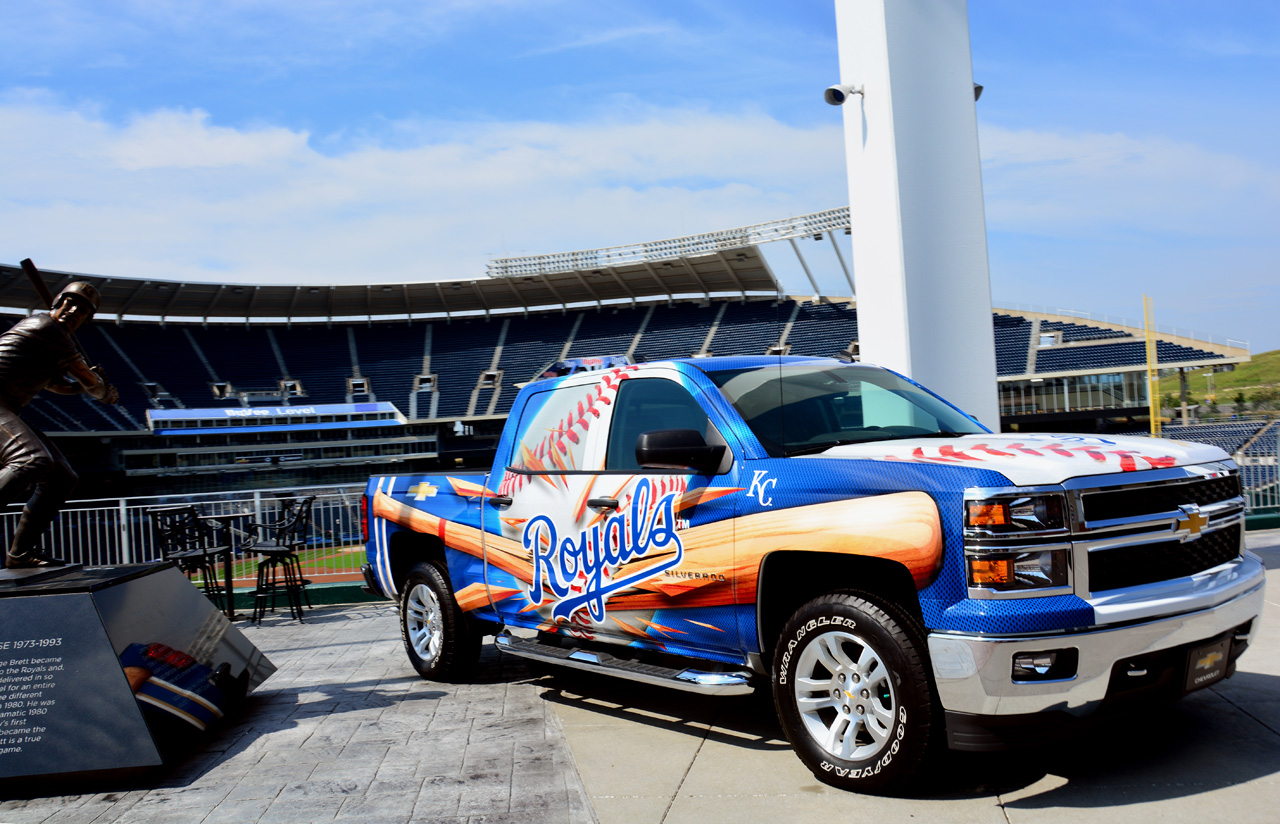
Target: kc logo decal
<point>762,488</point>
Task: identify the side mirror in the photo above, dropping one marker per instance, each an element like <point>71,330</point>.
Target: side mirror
<point>678,449</point>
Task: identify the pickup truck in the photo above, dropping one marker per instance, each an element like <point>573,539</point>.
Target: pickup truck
<point>903,578</point>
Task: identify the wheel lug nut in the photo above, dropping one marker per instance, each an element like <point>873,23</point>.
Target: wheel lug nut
<point>860,710</point>
<point>866,693</point>
<point>845,709</point>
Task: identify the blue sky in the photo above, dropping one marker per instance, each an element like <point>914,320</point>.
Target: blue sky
<point>1128,147</point>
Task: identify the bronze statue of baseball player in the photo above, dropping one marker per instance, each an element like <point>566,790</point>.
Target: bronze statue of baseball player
<point>40,352</point>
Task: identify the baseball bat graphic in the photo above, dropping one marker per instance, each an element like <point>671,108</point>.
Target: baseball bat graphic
<point>902,527</point>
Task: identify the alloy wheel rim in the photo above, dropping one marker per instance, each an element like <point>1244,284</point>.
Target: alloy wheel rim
<point>426,631</point>
<point>845,696</point>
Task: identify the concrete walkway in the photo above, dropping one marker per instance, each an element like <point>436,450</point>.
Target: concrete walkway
<point>347,730</point>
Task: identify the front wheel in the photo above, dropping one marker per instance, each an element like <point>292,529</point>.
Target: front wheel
<point>440,642</point>
<point>852,693</point>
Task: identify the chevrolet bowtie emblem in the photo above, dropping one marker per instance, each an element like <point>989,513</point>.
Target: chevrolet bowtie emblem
<point>1209,660</point>
<point>423,491</point>
<point>1193,522</point>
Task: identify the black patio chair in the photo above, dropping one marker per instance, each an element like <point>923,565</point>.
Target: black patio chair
<point>188,539</point>
<point>279,569</point>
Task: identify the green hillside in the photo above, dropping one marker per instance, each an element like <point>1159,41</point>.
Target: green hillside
<point>1262,371</point>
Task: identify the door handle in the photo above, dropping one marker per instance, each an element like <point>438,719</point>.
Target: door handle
<point>500,500</point>
<point>602,503</point>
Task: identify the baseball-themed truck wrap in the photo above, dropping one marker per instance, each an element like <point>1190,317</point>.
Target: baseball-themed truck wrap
<point>901,576</point>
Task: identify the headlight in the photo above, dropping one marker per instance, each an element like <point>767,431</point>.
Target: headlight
<point>1018,571</point>
<point>1015,515</point>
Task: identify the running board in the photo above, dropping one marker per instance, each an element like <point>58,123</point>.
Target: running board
<point>689,680</point>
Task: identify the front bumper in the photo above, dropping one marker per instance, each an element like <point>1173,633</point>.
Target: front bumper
<point>974,673</point>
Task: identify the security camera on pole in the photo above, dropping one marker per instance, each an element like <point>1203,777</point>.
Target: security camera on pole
<point>915,196</point>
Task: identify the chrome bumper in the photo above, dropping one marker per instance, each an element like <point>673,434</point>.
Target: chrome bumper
<point>974,673</point>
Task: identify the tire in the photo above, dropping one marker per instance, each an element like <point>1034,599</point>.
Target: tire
<point>438,638</point>
<point>853,694</point>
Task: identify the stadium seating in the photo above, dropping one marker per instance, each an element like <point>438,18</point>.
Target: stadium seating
<point>185,359</point>
<point>1073,332</point>
<point>606,332</point>
<point>821,329</point>
<point>1013,336</point>
<point>1229,437</point>
<point>752,327</point>
<point>532,343</point>
<point>1256,477</point>
<point>675,331</point>
<point>1102,356</point>
<point>1265,443</point>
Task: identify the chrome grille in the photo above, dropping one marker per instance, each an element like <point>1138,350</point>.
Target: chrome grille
<point>1130,566</point>
<point>1150,500</point>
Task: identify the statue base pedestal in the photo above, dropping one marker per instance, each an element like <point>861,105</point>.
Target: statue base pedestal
<point>108,671</point>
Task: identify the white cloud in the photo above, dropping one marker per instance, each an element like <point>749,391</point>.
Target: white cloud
<point>172,195</point>
<point>612,36</point>
<point>186,140</point>
<point>1072,184</point>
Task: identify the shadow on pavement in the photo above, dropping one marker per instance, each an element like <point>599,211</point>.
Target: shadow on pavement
<point>746,721</point>
<point>1155,750</point>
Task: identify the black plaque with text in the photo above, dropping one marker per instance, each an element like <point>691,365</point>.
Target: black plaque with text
<point>65,705</point>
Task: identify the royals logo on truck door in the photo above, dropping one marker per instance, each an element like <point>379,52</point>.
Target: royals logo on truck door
<point>595,546</point>
<point>590,528</point>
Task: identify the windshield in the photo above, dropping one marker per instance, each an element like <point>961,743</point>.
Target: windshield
<point>800,408</point>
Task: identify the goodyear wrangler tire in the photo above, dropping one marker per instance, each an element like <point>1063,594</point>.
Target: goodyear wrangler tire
<point>440,641</point>
<point>852,693</point>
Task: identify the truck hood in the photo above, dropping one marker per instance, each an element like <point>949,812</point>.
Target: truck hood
<point>1034,459</point>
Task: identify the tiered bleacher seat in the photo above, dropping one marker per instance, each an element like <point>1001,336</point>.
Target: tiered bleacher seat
<point>390,356</point>
<point>460,351</point>
<point>823,329</point>
<point>1227,436</point>
<point>1072,332</point>
<point>74,413</point>
<point>163,354</point>
<point>676,331</point>
<point>1265,443</point>
<point>1013,336</point>
<point>607,332</point>
<point>1133,353</point>
<point>751,328</point>
<point>532,342</point>
<point>240,355</point>
<point>1256,477</point>
<point>320,359</point>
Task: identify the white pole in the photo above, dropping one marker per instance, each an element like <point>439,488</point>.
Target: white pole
<point>915,195</point>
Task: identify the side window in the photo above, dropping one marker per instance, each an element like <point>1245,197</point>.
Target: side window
<point>552,433</point>
<point>646,404</point>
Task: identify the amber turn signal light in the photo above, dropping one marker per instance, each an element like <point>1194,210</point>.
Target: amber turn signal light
<point>988,513</point>
<point>989,572</point>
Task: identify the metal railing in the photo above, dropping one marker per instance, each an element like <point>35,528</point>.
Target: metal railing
<point>104,532</point>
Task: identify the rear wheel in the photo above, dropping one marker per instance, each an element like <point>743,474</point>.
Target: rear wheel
<point>853,694</point>
<point>439,640</point>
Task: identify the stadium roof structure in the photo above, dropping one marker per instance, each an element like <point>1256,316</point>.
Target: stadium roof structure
<point>725,263</point>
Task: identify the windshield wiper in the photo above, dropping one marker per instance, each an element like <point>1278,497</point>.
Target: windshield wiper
<point>818,447</point>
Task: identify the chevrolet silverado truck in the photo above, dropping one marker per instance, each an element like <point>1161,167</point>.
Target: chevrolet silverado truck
<point>903,578</point>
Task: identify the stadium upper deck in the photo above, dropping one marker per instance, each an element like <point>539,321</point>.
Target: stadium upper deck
<point>448,355</point>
